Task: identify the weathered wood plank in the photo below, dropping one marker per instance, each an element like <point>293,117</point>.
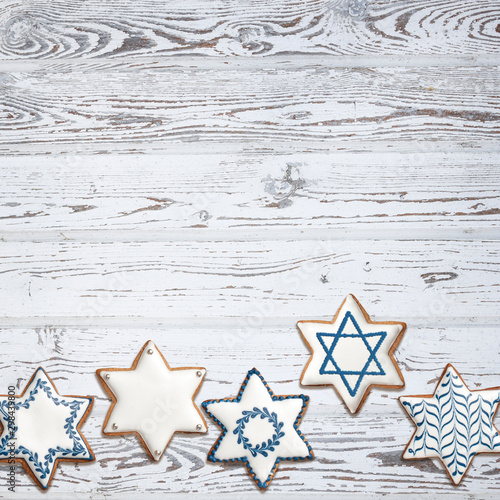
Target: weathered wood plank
<point>186,281</point>
<point>345,192</point>
<point>117,28</point>
<point>387,109</point>
<point>73,354</point>
<point>356,455</point>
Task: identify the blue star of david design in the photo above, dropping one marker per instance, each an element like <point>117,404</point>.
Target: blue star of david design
<point>371,352</point>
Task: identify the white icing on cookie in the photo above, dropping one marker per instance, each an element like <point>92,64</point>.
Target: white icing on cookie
<point>453,424</point>
<point>351,353</point>
<point>153,400</point>
<point>43,428</point>
<point>260,428</point>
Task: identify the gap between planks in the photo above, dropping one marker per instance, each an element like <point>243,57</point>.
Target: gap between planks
<point>200,322</point>
<point>276,148</point>
<point>341,495</point>
<point>292,61</point>
<point>244,234</point>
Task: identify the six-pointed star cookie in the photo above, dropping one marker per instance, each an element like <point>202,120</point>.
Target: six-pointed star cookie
<point>453,424</point>
<point>40,427</point>
<point>152,400</point>
<point>259,428</point>
<point>352,353</point>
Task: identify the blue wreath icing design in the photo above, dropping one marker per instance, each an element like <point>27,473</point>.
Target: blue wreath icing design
<point>211,456</point>
<point>43,465</point>
<point>265,446</point>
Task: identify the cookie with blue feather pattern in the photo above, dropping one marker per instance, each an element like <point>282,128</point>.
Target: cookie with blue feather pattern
<point>454,424</point>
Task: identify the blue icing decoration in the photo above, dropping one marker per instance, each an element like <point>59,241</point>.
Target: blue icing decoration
<point>456,424</point>
<point>44,466</point>
<point>265,446</point>
<point>262,413</point>
<point>371,352</point>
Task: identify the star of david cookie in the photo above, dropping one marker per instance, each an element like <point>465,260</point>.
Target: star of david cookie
<point>41,428</point>
<point>259,428</point>
<point>454,424</point>
<point>152,400</point>
<point>352,353</point>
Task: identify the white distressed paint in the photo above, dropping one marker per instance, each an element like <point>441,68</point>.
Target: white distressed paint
<point>205,175</point>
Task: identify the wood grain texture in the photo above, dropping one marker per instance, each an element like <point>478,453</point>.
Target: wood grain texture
<point>350,451</point>
<point>117,28</point>
<point>340,109</point>
<point>451,194</point>
<point>284,280</point>
<point>206,173</point>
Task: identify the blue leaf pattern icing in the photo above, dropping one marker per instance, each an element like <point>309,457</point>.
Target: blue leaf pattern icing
<point>271,443</point>
<point>43,466</point>
<point>455,424</point>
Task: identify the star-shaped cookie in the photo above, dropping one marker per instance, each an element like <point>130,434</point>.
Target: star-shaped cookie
<point>454,424</point>
<point>259,428</point>
<point>352,353</point>
<point>152,400</point>
<point>41,428</point>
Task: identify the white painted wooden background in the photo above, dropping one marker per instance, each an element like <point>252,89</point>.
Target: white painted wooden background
<point>205,173</point>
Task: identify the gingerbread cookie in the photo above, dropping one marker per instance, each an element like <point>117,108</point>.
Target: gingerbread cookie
<point>259,428</point>
<point>152,400</point>
<point>41,428</point>
<point>453,424</point>
<point>352,353</point>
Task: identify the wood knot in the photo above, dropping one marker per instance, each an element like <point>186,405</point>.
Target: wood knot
<point>283,189</point>
<point>252,38</point>
<point>18,30</point>
<point>431,278</point>
<point>357,8</point>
